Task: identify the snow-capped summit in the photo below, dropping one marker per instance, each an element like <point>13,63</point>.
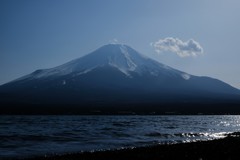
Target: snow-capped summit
<point>119,56</point>
<point>123,66</point>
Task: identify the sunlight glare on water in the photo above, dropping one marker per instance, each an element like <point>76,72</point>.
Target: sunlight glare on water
<point>23,136</point>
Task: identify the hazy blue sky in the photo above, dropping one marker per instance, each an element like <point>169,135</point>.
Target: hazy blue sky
<point>37,34</point>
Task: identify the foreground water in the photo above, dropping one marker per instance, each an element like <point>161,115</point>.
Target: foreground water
<point>26,136</point>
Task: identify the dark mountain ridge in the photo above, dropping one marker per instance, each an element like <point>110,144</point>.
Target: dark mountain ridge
<point>117,79</point>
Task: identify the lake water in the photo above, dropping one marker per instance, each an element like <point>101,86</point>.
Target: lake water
<point>27,136</point>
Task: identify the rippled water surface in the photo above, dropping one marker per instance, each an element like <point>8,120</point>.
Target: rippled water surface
<point>26,136</point>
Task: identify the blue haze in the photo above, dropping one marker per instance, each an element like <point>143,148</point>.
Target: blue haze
<point>37,34</point>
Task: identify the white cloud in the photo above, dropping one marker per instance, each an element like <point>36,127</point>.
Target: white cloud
<point>181,48</point>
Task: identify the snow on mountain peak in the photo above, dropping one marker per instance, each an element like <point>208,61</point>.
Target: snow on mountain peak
<point>122,57</point>
<point>119,56</point>
<point>132,66</point>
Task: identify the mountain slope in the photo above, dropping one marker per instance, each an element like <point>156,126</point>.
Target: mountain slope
<point>122,57</point>
<point>114,75</point>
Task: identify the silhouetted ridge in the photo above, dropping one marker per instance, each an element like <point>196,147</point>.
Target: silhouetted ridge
<point>116,75</point>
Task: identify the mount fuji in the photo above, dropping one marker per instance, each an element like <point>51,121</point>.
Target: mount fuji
<point>116,79</point>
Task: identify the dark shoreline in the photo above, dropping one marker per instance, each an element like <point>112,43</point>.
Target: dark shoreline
<point>226,148</point>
